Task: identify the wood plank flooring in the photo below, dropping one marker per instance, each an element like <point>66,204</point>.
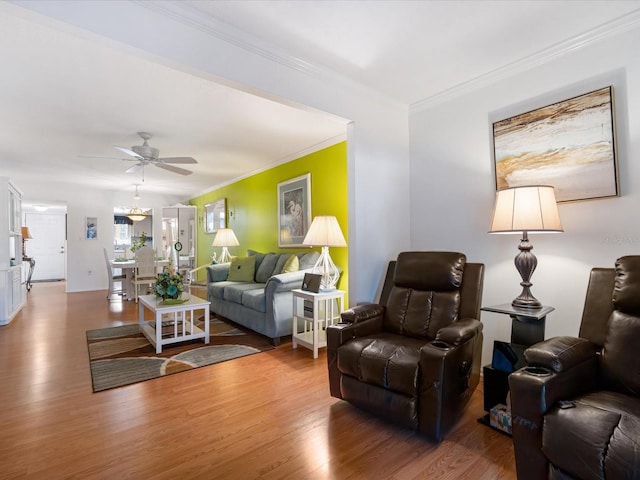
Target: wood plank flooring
<point>266,416</point>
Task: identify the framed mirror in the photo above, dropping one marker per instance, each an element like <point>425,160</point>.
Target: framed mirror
<point>215,215</point>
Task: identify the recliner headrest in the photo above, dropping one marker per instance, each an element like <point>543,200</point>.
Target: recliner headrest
<point>433,271</point>
<point>626,288</point>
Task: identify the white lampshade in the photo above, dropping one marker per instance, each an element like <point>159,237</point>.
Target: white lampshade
<point>526,209</point>
<point>325,232</point>
<point>225,238</point>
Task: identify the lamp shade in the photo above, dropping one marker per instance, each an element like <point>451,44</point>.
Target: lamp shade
<point>225,238</point>
<point>526,209</point>
<point>26,234</point>
<point>325,232</point>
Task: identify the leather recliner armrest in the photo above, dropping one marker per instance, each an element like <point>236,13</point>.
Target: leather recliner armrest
<point>533,392</point>
<point>560,353</point>
<point>362,312</point>
<point>459,332</point>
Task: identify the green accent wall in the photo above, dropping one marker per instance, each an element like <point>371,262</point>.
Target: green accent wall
<point>252,205</point>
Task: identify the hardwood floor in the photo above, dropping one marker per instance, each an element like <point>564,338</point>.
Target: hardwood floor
<point>265,416</point>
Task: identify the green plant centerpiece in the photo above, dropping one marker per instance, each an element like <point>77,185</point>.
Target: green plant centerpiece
<point>169,286</point>
<point>138,244</point>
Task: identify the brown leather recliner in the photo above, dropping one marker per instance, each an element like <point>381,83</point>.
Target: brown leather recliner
<point>414,358</point>
<point>576,406</point>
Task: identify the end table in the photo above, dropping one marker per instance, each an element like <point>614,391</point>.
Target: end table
<point>316,311</point>
<point>527,328</point>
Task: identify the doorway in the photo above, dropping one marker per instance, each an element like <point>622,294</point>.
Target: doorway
<point>48,245</point>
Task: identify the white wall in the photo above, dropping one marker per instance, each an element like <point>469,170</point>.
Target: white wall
<point>452,185</point>
<point>378,138</point>
<point>87,255</point>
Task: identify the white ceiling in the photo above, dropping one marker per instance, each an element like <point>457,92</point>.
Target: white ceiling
<point>64,97</point>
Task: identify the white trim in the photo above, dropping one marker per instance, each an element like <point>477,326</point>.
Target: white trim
<point>614,27</point>
<point>188,15</point>
<point>294,156</point>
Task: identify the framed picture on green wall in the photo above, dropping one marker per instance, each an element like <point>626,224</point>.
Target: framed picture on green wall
<point>294,210</point>
<point>215,215</point>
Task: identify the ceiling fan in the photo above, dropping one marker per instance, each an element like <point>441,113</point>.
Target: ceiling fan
<point>146,155</point>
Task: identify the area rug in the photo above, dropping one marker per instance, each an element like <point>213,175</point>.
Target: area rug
<point>122,355</point>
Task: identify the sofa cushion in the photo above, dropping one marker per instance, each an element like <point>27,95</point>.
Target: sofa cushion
<point>266,267</point>
<point>255,299</point>
<point>216,289</point>
<point>259,257</point>
<point>291,265</point>
<point>234,292</point>
<point>242,269</point>
<point>308,260</point>
<point>284,257</point>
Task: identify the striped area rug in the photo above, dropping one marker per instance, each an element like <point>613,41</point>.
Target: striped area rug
<point>122,355</point>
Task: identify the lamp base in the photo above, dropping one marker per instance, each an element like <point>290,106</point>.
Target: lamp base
<point>526,300</point>
<point>325,267</point>
<point>526,262</point>
<point>225,256</point>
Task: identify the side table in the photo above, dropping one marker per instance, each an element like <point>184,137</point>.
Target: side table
<point>316,311</point>
<point>527,328</point>
<point>32,264</point>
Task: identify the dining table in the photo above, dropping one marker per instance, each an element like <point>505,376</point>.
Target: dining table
<point>128,266</point>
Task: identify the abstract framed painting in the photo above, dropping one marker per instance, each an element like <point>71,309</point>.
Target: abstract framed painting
<point>569,145</point>
<point>294,210</point>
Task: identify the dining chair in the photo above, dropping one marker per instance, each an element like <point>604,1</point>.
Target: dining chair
<point>145,270</point>
<point>113,279</point>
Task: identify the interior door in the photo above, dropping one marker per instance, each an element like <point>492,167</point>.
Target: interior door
<point>48,245</point>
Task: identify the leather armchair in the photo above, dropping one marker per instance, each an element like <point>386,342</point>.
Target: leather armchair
<point>576,406</point>
<point>414,358</point>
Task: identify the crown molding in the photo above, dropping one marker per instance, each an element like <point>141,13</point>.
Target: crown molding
<point>188,15</point>
<point>294,156</point>
<point>609,29</point>
<point>234,36</point>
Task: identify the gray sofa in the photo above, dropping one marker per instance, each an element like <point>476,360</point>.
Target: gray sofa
<point>264,305</point>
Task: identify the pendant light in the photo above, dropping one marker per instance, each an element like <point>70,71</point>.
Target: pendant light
<point>136,214</point>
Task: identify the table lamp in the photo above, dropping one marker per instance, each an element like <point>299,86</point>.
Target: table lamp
<point>26,235</point>
<point>225,238</point>
<point>325,232</point>
<point>530,209</point>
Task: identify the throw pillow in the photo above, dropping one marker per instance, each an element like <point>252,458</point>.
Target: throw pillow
<point>259,257</point>
<point>281,261</point>
<point>308,260</point>
<point>242,269</point>
<point>265,270</point>
<point>291,265</point>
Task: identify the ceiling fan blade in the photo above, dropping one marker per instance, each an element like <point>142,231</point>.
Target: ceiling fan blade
<point>97,157</point>
<point>173,169</point>
<point>128,152</point>
<point>134,168</point>
<point>178,160</point>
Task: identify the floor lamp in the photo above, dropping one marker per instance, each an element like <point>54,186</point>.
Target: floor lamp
<point>325,232</point>
<point>225,238</point>
<point>531,209</point>
<point>26,235</point>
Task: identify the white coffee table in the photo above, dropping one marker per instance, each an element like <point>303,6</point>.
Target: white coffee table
<point>180,316</point>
